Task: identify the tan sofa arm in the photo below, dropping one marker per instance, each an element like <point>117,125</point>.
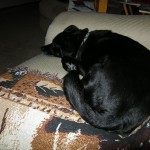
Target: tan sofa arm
<point>134,26</point>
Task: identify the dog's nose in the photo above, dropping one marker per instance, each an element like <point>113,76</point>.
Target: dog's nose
<point>46,49</point>
<point>42,48</point>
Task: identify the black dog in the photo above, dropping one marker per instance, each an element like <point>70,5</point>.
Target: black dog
<point>114,93</point>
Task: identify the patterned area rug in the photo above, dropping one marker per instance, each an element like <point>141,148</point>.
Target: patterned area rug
<point>35,115</point>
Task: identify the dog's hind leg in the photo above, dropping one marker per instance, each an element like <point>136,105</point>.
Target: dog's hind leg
<point>74,92</point>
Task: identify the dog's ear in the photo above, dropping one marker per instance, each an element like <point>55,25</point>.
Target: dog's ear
<point>82,33</point>
<point>74,29</point>
<point>71,29</point>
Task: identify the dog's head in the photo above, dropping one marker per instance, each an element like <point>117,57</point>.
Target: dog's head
<point>66,43</point>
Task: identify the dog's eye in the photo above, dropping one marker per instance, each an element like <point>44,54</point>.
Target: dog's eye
<point>67,37</point>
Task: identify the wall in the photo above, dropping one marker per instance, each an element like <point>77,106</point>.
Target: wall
<point>9,3</point>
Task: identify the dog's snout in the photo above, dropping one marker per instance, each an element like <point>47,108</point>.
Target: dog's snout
<point>47,49</point>
<point>43,48</point>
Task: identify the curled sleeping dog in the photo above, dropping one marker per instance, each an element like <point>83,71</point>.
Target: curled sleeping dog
<point>114,93</point>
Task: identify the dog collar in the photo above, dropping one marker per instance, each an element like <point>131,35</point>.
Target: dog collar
<point>85,38</point>
<point>80,48</point>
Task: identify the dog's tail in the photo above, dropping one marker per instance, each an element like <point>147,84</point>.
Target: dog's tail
<point>74,92</point>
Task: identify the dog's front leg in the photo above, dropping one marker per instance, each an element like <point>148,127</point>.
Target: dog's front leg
<point>71,64</point>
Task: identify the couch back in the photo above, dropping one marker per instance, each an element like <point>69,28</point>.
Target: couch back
<point>136,27</point>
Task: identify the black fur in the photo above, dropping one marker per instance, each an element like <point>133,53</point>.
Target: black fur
<point>114,93</point>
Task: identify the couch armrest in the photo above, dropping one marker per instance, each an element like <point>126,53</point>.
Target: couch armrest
<point>134,26</point>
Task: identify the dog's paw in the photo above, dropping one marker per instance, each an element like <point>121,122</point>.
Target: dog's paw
<point>70,66</point>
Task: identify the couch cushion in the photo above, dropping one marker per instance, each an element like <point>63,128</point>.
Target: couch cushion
<point>44,63</point>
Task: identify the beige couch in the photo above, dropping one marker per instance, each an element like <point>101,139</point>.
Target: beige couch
<point>134,26</point>
<point>34,112</point>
